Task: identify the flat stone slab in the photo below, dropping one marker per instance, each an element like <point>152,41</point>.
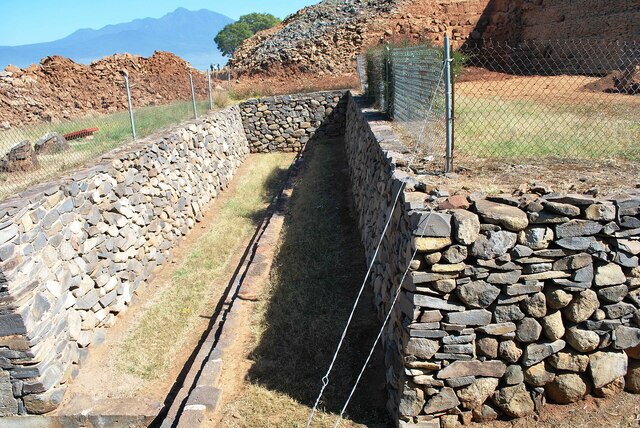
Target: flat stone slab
<point>492,368</point>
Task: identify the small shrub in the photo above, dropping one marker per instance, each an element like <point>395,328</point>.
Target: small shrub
<point>220,98</point>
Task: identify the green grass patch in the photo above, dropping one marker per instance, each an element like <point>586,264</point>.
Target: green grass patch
<point>317,272</point>
<point>168,319</point>
<point>495,127</point>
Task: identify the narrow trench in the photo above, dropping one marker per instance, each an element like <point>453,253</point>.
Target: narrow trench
<point>314,281</point>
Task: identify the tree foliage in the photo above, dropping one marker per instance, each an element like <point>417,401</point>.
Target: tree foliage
<point>232,35</point>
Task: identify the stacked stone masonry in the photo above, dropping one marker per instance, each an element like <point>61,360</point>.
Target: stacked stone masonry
<point>510,300</point>
<point>287,123</point>
<point>73,252</point>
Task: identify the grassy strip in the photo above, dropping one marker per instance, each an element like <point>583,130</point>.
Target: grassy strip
<point>150,347</point>
<point>497,127</point>
<point>314,281</point>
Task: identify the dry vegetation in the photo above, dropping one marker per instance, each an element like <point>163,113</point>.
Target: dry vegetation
<point>147,348</point>
<point>313,284</point>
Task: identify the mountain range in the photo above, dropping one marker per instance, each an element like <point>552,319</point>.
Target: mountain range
<point>188,34</point>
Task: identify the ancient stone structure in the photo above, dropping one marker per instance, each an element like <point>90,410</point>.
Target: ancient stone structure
<point>509,300</point>
<point>324,38</point>
<point>287,123</point>
<point>73,252</point>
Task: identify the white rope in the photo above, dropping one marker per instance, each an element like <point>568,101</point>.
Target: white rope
<point>384,323</point>
<point>395,298</point>
<point>325,378</point>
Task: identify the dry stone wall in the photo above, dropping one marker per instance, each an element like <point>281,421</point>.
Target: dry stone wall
<point>286,123</point>
<point>373,152</point>
<point>73,252</point>
<point>510,300</point>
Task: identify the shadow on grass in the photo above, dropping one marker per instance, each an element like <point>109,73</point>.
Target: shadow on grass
<point>314,282</point>
<point>251,205</point>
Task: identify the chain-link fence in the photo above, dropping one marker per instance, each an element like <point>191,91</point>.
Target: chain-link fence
<point>408,84</point>
<point>533,100</point>
<point>33,151</point>
<point>417,101</point>
<point>568,99</point>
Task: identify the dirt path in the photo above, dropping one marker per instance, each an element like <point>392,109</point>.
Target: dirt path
<point>101,379</point>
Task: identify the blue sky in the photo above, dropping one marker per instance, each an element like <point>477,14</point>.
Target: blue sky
<point>35,21</point>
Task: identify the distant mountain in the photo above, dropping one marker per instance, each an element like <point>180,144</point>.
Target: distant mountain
<point>188,34</point>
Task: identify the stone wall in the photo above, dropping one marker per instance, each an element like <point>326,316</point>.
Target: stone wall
<point>73,252</point>
<point>372,153</point>
<point>510,300</point>
<point>286,123</point>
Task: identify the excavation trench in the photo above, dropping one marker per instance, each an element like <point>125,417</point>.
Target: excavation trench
<point>146,355</point>
<point>149,362</point>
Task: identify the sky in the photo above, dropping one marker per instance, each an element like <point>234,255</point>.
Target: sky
<point>36,21</point>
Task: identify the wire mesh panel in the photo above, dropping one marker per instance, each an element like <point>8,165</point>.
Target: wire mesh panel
<point>567,99</point>
<point>377,81</point>
<point>417,103</point>
<point>361,67</point>
<point>32,153</point>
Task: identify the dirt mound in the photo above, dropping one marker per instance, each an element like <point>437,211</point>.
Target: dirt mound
<point>323,39</point>
<point>624,82</point>
<point>59,88</point>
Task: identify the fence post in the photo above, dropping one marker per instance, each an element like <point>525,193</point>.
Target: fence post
<point>447,90</point>
<point>193,95</point>
<point>229,75</point>
<point>387,79</point>
<point>126,83</point>
<point>209,85</point>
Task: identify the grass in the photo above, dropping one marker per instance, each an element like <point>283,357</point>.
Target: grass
<point>168,319</point>
<point>114,130</point>
<point>313,283</point>
<point>491,126</point>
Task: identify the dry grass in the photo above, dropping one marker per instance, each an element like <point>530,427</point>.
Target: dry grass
<point>265,87</point>
<point>220,98</point>
<point>161,331</point>
<point>313,284</point>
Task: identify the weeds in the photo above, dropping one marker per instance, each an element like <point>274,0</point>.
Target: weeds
<point>313,284</point>
<point>162,330</point>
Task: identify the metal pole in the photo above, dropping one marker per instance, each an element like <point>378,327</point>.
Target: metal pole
<point>210,96</point>
<point>193,96</point>
<point>386,79</point>
<point>126,83</point>
<point>447,90</point>
<point>229,75</point>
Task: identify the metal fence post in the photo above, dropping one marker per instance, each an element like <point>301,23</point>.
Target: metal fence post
<point>126,83</point>
<point>209,86</point>
<point>447,89</point>
<point>193,96</point>
<point>387,83</point>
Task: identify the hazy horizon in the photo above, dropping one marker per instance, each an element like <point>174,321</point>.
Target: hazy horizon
<point>42,21</point>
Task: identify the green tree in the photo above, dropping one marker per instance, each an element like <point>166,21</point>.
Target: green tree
<point>259,21</point>
<point>232,35</point>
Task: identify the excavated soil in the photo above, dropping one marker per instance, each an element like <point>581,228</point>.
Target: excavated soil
<point>59,88</point>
